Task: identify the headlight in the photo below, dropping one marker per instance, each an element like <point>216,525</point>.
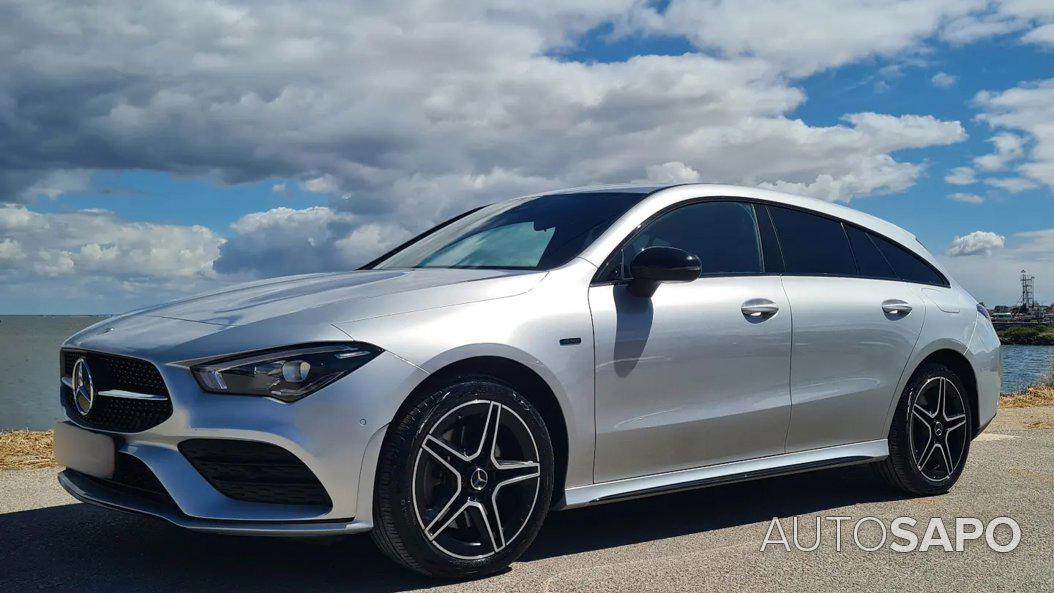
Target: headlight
<point>288,374</point>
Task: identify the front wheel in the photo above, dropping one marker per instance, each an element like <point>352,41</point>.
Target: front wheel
<point>464,480</point>
<point>929,439</point>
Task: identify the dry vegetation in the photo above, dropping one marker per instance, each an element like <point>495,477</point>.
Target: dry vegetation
<point>1037,395</point>
<point>26,449</point>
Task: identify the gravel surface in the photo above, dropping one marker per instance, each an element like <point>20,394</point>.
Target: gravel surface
<point>704,540</point>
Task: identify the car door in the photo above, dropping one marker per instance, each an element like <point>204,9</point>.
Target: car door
<point>855,326</point>
<point>695,374</point>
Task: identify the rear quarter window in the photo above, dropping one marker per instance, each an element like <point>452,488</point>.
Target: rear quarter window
<point>908,266</point>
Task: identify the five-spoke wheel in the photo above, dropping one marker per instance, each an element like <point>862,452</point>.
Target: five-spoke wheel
<point>931,432</point>
<point>464,480</point>
<point>938,428</point>
<point>476,479</point>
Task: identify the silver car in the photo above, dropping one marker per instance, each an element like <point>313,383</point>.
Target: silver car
<point>548,352</point>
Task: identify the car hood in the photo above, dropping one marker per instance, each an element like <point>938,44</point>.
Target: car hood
<point>282,311</point>
<point>347,296</point>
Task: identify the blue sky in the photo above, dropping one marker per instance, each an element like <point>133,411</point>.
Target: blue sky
<point>139,169</point>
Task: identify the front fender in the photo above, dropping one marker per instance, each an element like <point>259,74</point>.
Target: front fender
<point>525,328</point>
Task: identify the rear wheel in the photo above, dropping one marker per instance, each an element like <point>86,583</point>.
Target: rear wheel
<point>464,480</point>
<point>930,436</point>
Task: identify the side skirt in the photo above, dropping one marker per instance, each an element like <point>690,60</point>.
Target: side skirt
<point>726,473</point>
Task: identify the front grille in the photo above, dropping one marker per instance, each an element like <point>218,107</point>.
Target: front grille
<point>118,414</point>
<point>254,472</point>
<point>110,371</point>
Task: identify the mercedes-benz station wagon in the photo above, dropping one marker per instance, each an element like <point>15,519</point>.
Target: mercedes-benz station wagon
<point>548,352</point>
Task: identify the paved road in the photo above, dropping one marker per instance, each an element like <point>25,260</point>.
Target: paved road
<point>706,540</point>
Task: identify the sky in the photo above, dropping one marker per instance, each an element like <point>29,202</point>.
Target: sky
<point>149,151</point>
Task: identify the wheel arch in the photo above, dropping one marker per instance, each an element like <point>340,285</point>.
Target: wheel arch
<point>525,381</point>
<point>959,364</point>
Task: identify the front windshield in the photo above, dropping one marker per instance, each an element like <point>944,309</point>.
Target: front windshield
<point>536,233</point>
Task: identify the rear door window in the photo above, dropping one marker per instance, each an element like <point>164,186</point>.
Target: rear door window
<point>812,245</point>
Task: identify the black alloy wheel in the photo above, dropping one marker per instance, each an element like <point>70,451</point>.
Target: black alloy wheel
<point>464,480</point>
<point>929,439</point>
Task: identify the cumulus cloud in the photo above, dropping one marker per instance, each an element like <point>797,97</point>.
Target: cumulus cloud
<point>10,250</point>
<point>1041,35</point>
<point>323,184</point>
<point>1014,185</point>
<point>966,198</point>
<point>1001,17</point>
<point>58,182</point>
<point>972,27</point>
<point>993,276</point>
<point>96,261</point>
<point>355,98</point>
<point>97,242</point>
<point>961,176</point>
<point>405,113</point>
<point>804,36</point>
<point>1007,148</point>
<point>672,172</point>
<point>866,174</point>
<point>943,80</point>
<point>284,241</point>
<point>96,257</point>
<point>1029,110</point>
<point>975,243</point>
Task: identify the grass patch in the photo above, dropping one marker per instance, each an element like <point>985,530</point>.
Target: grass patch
<point>27,449</point>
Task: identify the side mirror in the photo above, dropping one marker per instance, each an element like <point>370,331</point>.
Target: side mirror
<point>661,264</point>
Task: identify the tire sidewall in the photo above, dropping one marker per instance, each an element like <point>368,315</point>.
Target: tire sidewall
<point>399,460</point>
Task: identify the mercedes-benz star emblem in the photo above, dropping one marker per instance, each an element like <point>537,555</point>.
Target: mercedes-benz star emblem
<point>478,479</point>
<point>83,388</point>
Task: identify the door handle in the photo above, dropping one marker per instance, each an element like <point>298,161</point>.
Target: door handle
<point>759,309</point>
<point>896,307</point>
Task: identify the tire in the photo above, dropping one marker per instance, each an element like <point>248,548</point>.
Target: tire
<point>929,439</point>
<point>439,488</point>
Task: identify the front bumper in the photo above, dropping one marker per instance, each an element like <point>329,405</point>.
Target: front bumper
<point>336,433</point>
<point>94,492</point>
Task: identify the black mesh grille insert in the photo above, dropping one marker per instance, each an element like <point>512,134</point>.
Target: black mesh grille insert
<point>133,476</point>
<point>118,372</point>
<point>254,472</point>
<point>132,473</point>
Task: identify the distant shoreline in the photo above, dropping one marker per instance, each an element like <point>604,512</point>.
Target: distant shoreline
<point>1039,334</point>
